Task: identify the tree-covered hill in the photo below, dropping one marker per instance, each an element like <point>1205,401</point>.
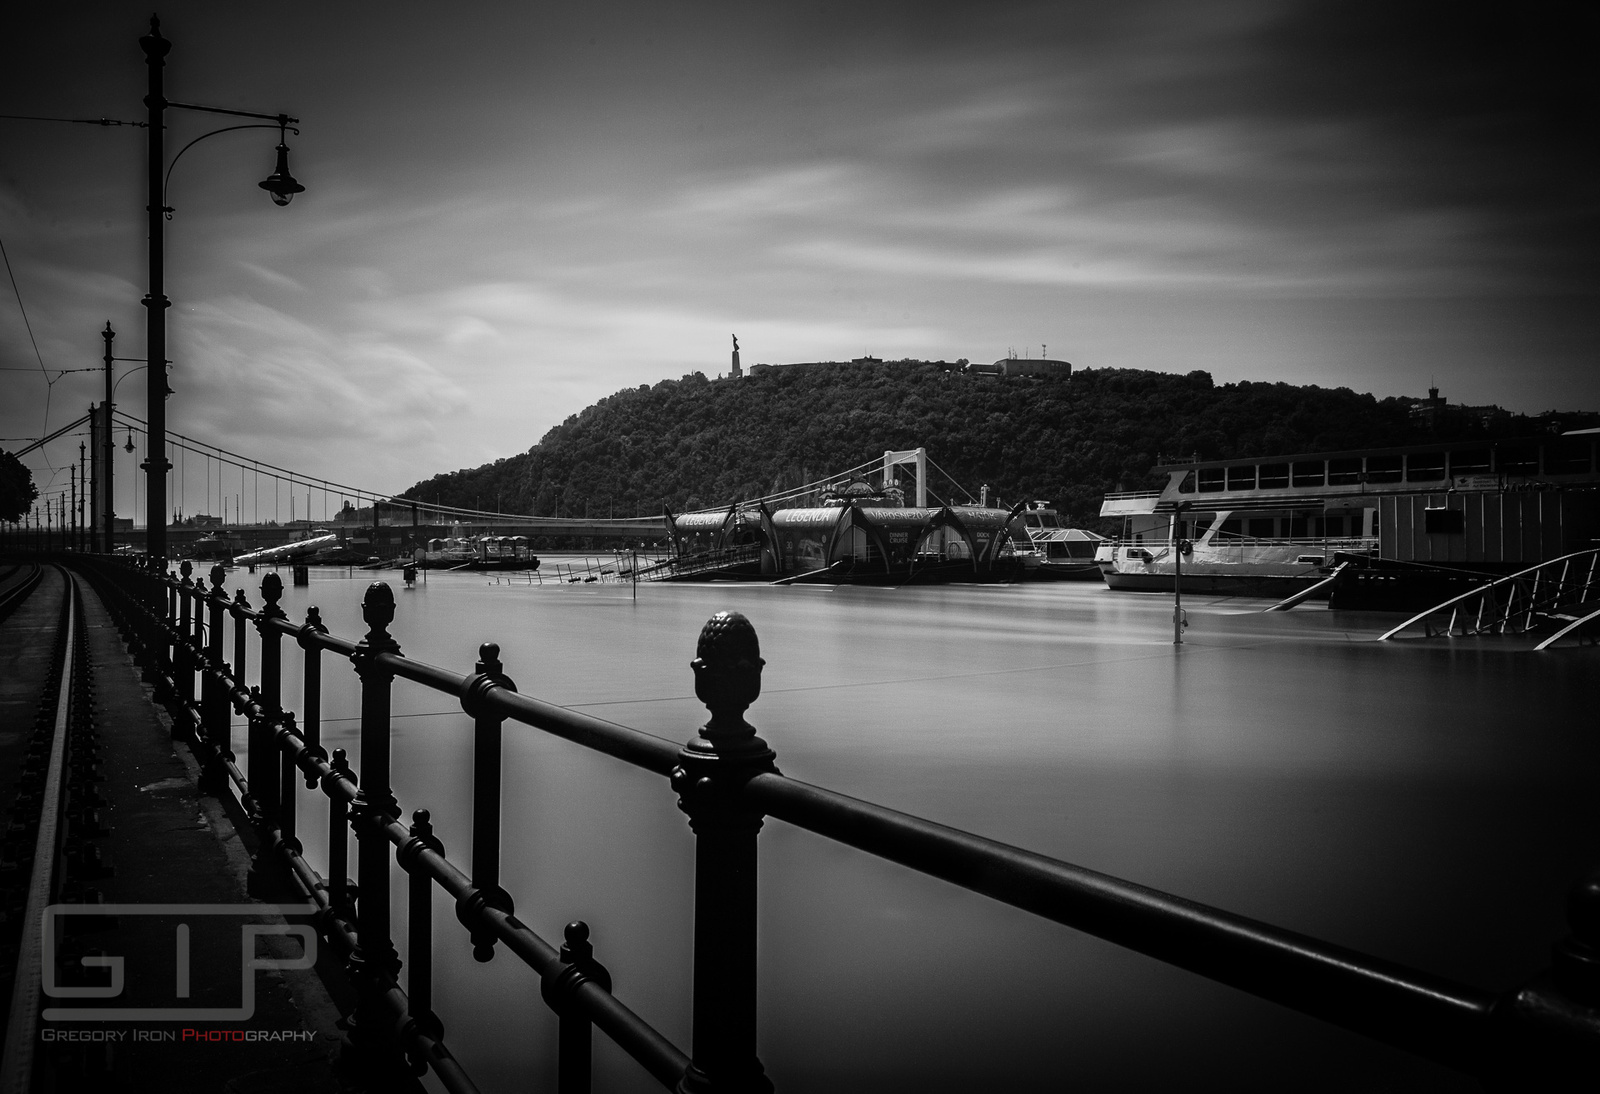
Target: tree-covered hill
<point>696,442</point>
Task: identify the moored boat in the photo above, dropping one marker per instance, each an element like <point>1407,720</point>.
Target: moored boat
<point>1264,547</point>
<point>861,534</point>
<point>1057,553</point>
<point>1416,524</point>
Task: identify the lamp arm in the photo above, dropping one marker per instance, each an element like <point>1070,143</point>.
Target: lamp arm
<point>125,375</point>
<point>225,129</point>
<point>281,119</point>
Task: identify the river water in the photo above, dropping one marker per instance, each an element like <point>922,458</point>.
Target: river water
<point>1426,802</point>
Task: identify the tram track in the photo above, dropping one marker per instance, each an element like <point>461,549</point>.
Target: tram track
<point>48,853</point>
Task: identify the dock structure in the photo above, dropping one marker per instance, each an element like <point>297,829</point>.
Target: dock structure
<point>191,639</point>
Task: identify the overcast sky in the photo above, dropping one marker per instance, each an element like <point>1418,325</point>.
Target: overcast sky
<point>513,209</point>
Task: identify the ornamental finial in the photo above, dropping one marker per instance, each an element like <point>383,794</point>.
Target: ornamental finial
<point>727,673</point>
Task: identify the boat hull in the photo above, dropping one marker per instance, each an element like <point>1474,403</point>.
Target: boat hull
<point>1213,584</point>
<point>1065,571</point>
<point>1269,569</point>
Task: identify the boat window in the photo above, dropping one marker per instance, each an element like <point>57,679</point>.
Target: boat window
<point>1520,460</point>
<point>1242,478</point>
<point>1032,519</point>
<point>1566,457</point>
<point>1345,472</point>
<point>1260,527</point>
<point>1297,527</point>
<point>1308,472</point>
<point>1441,521</point>
<point>1187,485</point>
<point>1211,479</point>
<point>1469,461</point>
<point>1274,476</point>
<point>1230,527</point>
<point>1385,468</point>
<point>1425,467</point>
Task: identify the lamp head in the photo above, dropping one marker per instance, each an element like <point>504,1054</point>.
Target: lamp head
<point>280,184</point>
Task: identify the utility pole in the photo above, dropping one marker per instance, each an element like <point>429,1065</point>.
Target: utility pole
<point>83,531</point>
<point>108,494</point>
<point>156,303</point>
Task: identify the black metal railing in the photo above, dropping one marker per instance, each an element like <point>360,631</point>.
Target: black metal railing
<point>727,784</point>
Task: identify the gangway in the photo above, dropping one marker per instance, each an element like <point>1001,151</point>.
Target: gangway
<point>1564,590</point>
<point>701,563</point>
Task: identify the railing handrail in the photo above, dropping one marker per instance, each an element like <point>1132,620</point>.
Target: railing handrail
<point>1483,589</point>
<point>726,782</point>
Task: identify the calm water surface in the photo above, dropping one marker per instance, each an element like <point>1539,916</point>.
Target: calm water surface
<point>1428,803</point>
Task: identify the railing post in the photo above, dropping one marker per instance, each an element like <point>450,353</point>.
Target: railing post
<point>311,701</point>
<point>262,746</point>
<point>241,604</point>
<point>214,702</point>
<point>1548,1028</point>
<point>338,834</point>
<point>711,770</point>
<point>375,964</point>
<point>311,724</point>
<point>487,728</point>
<point>182,655</point>
<point>419,951</point>
<point>574,1059</point>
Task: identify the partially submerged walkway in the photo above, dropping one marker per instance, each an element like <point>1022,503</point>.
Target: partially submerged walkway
<point>167,844</point>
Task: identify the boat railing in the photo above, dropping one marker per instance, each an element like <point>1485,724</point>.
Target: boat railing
<point>727,782</point>
<point>1351,544</point>
<point>1229,540</point>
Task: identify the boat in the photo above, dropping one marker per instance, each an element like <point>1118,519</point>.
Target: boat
<point>502,553</point>
<point>460,551</point>
<point>215,547</point>
<point>1260,547</point>
<point>1058,553</point>
<point>315,540</point>
<point>1416,524</point>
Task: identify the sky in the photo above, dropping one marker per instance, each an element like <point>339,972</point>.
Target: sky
<point>515,209</point>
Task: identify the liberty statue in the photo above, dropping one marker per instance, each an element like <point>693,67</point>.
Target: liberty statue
<point>737,371</point>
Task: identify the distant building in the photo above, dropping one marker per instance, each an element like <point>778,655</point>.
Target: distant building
<point>1023,366</point>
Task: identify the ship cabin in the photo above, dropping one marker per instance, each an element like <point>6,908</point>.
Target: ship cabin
<point>1502,503</point>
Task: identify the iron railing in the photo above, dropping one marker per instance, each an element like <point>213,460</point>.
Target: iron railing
<point>727,783</point>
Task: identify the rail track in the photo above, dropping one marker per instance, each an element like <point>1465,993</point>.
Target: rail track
<point>48,853</point>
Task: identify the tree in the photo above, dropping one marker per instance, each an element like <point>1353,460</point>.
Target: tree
<point>17,492</point>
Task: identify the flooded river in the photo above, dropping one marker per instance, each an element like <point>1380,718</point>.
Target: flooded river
<point>1425,802</point>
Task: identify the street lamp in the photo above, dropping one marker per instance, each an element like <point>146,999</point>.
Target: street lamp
<point>280,184</point>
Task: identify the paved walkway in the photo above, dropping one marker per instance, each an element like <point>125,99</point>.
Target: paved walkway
<point>168,844</point>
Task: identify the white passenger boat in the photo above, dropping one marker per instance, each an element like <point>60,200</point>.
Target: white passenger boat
<point>1255,546</point>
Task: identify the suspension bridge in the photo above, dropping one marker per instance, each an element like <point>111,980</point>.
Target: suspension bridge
<point>260,503</point>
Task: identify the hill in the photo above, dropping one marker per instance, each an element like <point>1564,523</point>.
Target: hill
<point>695,442</point>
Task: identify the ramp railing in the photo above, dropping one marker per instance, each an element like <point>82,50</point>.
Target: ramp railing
<point>1561,591</point>
<point>726,781</point>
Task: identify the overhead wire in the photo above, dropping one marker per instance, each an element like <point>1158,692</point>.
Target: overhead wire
<point>49,384</point>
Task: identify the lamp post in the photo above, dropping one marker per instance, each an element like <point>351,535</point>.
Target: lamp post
<point>280,184</point>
